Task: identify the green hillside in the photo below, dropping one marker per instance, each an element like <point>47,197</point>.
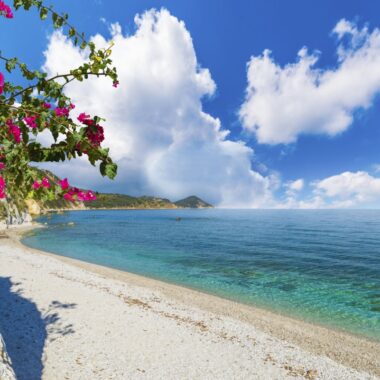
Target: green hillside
<point>192,202</point>
<point>126,201</point>
<point>116,201</point>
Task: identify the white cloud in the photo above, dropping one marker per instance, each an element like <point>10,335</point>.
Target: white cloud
<point>344,190</point>
<point>296,185</point>
<point>163,141</point>
<point>284,102</point>
<point>359,187</point>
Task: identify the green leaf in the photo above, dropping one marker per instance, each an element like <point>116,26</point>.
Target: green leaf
<point>43,13</point>
<point>111,170</point>
<point>11,64</point>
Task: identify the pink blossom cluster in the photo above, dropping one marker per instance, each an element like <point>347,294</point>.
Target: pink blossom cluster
<point>44,183</point>
<point>73,194</point>
<point>5,10</point>
<point>1,83</point>
<point>31,121</point>
<point>2,182</point>
<point>94,132</point>
<point>14,130</point>
<point>64,111</point>
<point>2,187</point>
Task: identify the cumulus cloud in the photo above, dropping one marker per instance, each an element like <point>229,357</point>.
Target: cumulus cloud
<point>351,188</point>
<point>163,141</point>
<point>296,185</point>
<point>284,102</point>
<point>344,190</point>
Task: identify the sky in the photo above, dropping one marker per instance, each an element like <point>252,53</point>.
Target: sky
<point>262,104</point>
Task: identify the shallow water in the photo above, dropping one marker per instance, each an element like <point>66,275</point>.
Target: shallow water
<point>318,265</point>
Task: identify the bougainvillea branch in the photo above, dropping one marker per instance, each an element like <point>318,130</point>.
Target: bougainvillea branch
<point>40,104</point>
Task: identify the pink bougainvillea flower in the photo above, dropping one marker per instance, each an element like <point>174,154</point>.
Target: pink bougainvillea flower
<point>14,130</point>
<point>31,121</point>
<point>68,197</point>
<point>64,183</point>
<point>2,166</point>
<point>83,117</point>
<point>45,183</point>
<point>2,188</point>
<point>81,196</point>
<point>36,185</point>
<point>72,106</point>
<point>46,105</point>
<point>90,196</point>
<point>62,111</point>
<point>95,135</point>
<point>16,133</point>
<point>115,83</point>
<point>5,10</point>
<point>1,83</point>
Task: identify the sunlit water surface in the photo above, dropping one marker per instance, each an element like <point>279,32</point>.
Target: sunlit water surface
<point>321,266</point>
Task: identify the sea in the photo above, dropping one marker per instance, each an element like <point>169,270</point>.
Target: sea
<point>322,266</point>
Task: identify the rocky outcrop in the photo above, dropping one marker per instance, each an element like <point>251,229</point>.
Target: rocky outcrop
<point>6,371</point>
<point>33,207</point>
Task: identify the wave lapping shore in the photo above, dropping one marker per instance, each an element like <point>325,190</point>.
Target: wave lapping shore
<point>65,319</point>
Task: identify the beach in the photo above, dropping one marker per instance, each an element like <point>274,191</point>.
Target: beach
<point>65,319</point>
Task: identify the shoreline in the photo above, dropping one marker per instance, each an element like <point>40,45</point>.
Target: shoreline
<point>142,280</point>
<point>59,210</point>
<point>342,347</point>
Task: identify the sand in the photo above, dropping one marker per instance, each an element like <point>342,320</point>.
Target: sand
<point>64,319</point>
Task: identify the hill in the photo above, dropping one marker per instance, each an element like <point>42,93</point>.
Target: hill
<point>192,202</point>
<point>109,201</point>
<point>123,201</point>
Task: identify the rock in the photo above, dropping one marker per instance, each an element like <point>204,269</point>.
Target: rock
<point>27,218</point>
<point>6,371</point>
<point>33,207</point>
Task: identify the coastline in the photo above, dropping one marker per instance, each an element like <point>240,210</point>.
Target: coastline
<point>348,350</point>
<point>60,210</point>
<point>266,344</point>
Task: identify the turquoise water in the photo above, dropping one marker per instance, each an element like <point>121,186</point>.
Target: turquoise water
<point>322,266</point>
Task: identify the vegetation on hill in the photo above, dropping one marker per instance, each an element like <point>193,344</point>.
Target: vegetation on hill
<point>110,201</point>
<point>192,202</point>
<point>122,201</point>
<point>116,201</point>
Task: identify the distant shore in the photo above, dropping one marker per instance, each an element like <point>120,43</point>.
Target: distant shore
<point>168,328</point>
<point>62,210</point>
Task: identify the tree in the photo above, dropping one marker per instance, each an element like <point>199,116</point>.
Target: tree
<point>40,104</point>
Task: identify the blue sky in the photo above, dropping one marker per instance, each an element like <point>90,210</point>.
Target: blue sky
<point>225,35</point>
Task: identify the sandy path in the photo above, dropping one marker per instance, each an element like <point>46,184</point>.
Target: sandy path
<point>65,322</point>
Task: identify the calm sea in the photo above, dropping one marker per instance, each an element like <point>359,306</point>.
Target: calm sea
<point>321,266</point>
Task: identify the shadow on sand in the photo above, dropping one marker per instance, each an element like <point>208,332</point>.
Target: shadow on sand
<point>25,329</point>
